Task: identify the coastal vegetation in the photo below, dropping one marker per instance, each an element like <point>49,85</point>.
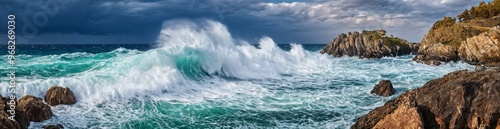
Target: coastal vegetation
<point>482,11</point>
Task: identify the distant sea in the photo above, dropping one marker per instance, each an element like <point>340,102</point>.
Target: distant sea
<point>201,77</point>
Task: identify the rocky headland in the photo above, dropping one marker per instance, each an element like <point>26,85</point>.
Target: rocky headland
<point>369,44</point>
<point>449,41</point>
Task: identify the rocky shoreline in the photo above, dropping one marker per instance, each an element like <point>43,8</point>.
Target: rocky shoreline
<point>465,41</point>
<point>461,99</point>
<point>33,109</point>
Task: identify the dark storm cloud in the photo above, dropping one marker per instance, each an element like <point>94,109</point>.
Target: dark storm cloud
<point>301,21</point>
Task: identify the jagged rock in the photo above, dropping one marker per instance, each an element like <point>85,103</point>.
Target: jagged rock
<point>384,88</point>
<point>34,108</point>
<point>461,99</point>
<point>57,95</point>
<point>369,44</point>
<point>403,117</point>
<point>443,43</point>
<point>483,49</point>
<point>377,115</point>
<point>58,126</point>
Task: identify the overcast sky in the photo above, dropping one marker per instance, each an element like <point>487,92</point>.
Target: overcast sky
<point>286,21</point>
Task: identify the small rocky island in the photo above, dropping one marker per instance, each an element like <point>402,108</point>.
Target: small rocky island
<point>369,44</point>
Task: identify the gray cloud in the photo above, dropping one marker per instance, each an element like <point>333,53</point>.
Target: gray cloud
<point>302,22</point>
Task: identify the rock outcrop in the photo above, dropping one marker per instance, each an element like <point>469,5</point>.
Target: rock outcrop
<point>384,88</point>
<point>369,44</point>
<point>57,95</point>
<point>461,99</point>
<point>34,108</point>
<point>444,39</point>
<point>441,44</point>
<point>483,49</point>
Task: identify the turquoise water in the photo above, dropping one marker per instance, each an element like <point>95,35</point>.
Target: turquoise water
<point>199,76</point>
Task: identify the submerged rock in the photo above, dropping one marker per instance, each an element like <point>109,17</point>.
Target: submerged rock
<point>57,95</point>
<point>369,44</point>
<point>34,108</point>
<point>461,99</point>
<point>384,88</point>
<point>58,126</point>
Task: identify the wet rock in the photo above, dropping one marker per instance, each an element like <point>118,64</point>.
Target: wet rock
<point>58,126</point>
<point>34,108</point>
<point>461,99</point>
<point>21,120</point>
<point>384,88</point>
<point>58,95</point>
<point>6,123</point>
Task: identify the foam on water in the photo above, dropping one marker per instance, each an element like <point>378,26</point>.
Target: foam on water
<point>201,77</point>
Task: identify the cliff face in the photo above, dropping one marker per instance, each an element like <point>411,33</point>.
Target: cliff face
<point>442,42</point>
<point>483,49</point>
<point>459,100</point>
<point>369,44</point>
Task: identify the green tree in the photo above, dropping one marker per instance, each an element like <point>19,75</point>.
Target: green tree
<point>447,21</point>
<point>473,12</point>
<point>465,16</point>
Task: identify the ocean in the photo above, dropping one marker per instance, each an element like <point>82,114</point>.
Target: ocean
<point>199,76</point>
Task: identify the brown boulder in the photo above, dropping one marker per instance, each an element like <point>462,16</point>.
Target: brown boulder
<point>21,120</point>
<point>34,108</point>
<point>6,123</point>
<point>384,88</point>
<point>483,49</point>
<point>57,95</point>
<point>460,99</point>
